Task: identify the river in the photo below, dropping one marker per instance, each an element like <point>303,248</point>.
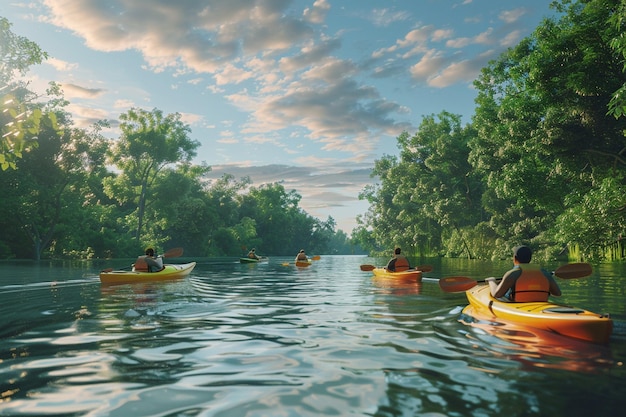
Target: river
<point>274,340</point>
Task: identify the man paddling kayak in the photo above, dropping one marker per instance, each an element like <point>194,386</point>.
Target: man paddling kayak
<point>149,262</point>
<point>525,282</point>
<point>399,262</point>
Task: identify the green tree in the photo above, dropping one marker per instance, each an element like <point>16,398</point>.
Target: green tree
<point>150,142</point>
<point>20,116</point>
<point>430,192</point>
<point>185,220</point>
<point>544,137</point>
<point>226,218</point>
<point>617,105</point>
<point>46,197</point>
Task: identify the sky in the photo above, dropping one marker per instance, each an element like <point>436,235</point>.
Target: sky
<point>308,93</point>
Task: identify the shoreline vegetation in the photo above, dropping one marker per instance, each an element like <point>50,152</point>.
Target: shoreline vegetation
<point>541,163</point>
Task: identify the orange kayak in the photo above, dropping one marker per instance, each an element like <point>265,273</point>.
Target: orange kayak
<point>567,321</point>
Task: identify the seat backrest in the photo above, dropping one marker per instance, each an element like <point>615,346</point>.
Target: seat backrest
<point>141,265</point>
<point>402,264</point>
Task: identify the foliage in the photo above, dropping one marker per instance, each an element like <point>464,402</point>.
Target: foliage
<point>539,162</point>
<point>20,117</point>
<point>430,191</point>
<point>150,142</point>
<point>617,105</point>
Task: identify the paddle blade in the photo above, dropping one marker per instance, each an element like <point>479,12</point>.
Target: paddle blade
<point>576,270</point>
<point>367,267</point>
<point>173,253</point>
<point>456,284</point>
<point>316,258</point>
<point>424,268</point>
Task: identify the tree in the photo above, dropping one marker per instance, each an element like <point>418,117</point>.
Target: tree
<point>544,137</point>
<point>617,105</point>
<point>149,143</point>
<point>431,191</point>
<point>20,119</point>
<point>47,195</point>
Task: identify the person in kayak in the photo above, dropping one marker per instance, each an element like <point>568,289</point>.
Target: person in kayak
<point>399,262</point>
<point>149,262</point>
<point>525,282</point>
<point>301,256</point>
<point>253,255</point>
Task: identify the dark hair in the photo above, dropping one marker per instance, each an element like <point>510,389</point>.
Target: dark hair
<point>150,252</point>
<point>523,254</point>
<point>397,251</point>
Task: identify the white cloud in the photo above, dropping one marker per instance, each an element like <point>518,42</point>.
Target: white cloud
<point>75,91</point>
<point>60,65</point>
<point>511,16</point>
<point>386,17</point>
<point>318,12</point>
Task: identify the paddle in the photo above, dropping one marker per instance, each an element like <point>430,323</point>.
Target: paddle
<point>172,253</point>
<point>423,268</point>
<point>569,271</point>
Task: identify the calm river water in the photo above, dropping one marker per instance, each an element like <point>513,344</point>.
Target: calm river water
<point>271,340</point>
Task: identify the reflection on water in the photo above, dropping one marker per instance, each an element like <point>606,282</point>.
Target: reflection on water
<point>273,340</point>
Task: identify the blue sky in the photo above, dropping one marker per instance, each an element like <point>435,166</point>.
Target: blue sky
<point>309,93</point>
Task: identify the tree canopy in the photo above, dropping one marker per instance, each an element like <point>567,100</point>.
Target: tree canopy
<point>541,154</point>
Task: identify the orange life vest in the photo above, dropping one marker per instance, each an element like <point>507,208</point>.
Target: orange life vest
<point>531,285</point>
<point>141,265</point>
<point>402,264</point>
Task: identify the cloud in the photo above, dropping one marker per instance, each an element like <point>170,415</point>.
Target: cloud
<point>317,14</point>
<point>327,189</point>
<point>342,114</point>
<point>75,91</point>
<point>85,116</point>
<point>386,17</point>
<point>512,16</point>
<point>60,65</point>
<point>191,118</point>
<point>466,70</point>
<point>200,36</point>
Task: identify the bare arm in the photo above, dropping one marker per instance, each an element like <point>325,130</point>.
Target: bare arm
<point>554,286</point>
<point>508,280</point>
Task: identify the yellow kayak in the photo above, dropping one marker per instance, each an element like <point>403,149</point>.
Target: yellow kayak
<point>567,321</point>
<point>409,274</point>
<point>304,264</point>
<point>170,271</point>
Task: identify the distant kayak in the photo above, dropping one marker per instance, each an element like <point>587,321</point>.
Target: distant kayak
<point>170,271</point>
<point>304,264</point>
<point>253,261</point>
<point>408,274</point>
<point>567,321</point>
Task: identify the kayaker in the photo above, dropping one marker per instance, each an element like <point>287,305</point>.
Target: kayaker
<point>253,255</point>
<point>526,282</point>
<point>399,262</point>
<point>149,262</point>
<point>301,256</point>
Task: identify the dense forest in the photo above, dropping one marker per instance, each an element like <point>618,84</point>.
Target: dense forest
<point>542,162</point>
<point>71,193</point>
